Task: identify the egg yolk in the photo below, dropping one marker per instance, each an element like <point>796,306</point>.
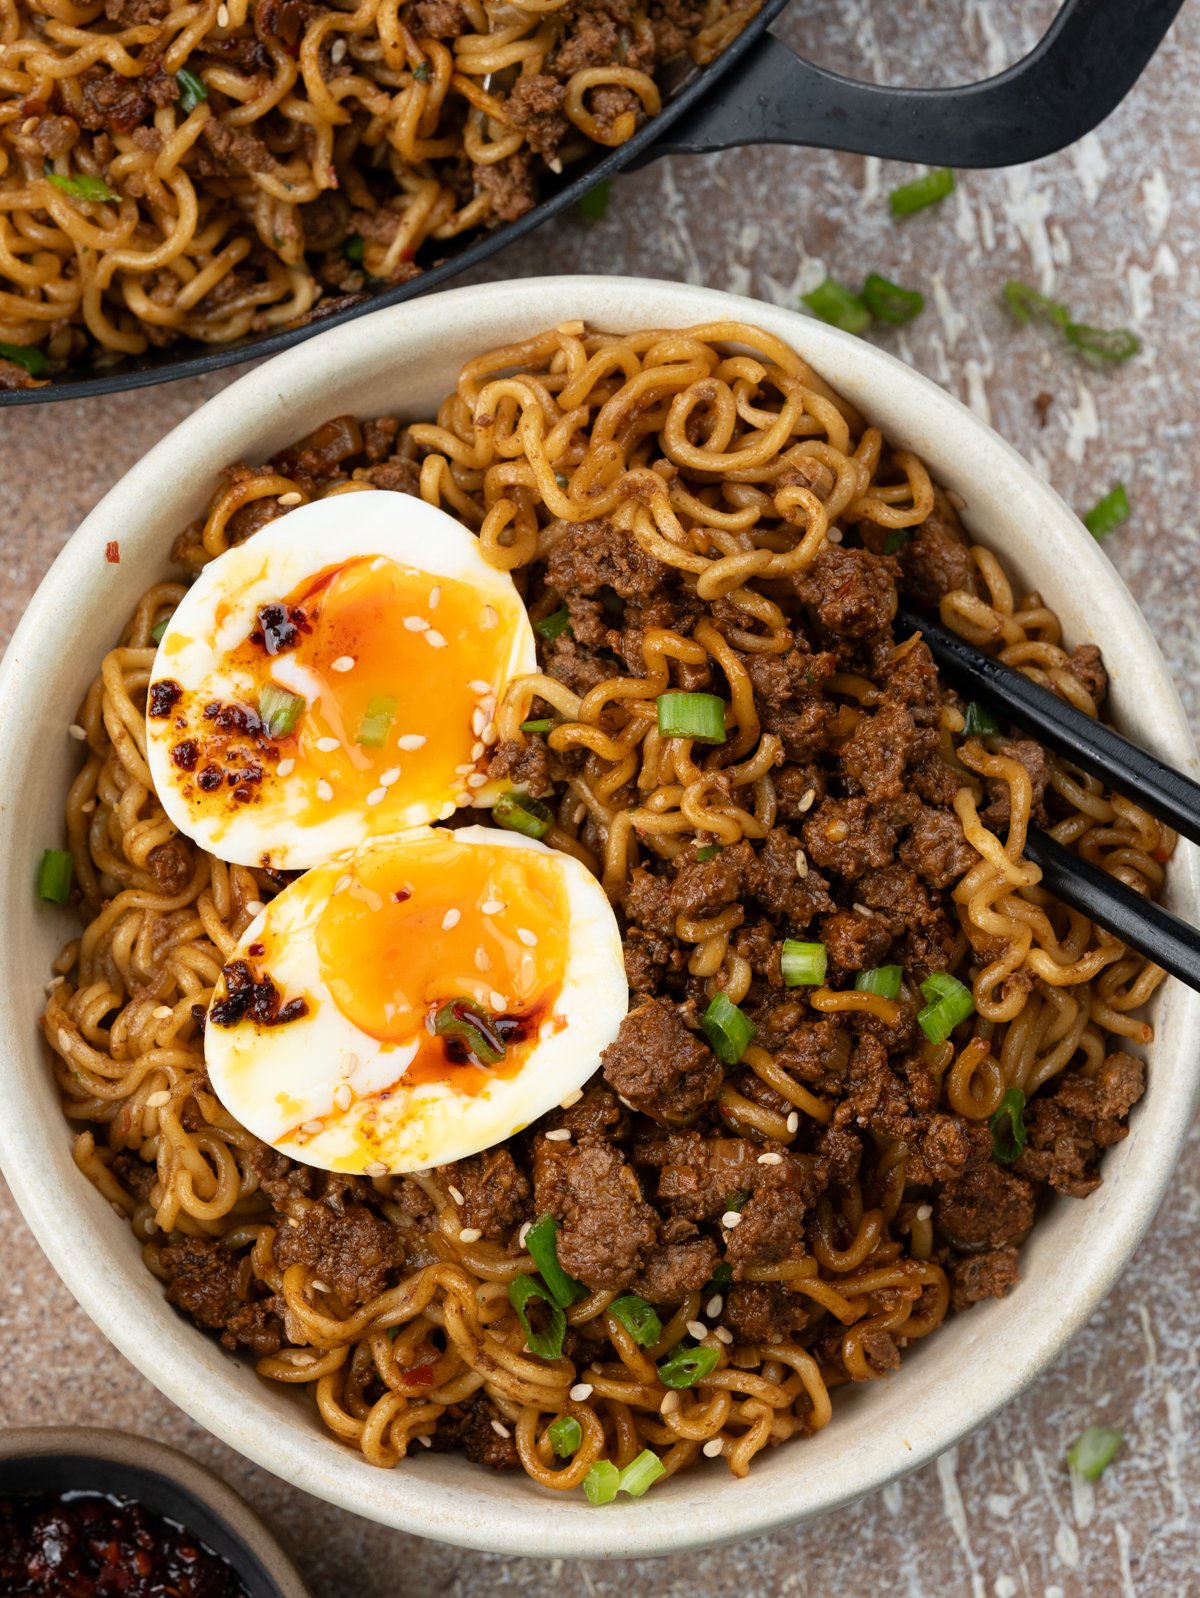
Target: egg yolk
<point>371,687</point>
<point>476,936</point>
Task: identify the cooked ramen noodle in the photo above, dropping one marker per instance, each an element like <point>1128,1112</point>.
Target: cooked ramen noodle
<point>754,1212</point>
<point>207,169</point>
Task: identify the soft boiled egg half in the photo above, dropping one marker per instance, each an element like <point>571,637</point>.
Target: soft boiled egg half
<point>418,999</point>
<point>333,678</point>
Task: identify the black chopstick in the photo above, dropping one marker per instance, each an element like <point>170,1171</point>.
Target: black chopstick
<point>1165,792</point>
<point>1140,923</point>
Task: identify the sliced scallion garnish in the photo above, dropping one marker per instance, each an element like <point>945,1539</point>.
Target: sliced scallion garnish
<point>192,90</point>
<point>83,186</point>
<point>354,248</point>
<point>708,851</point>
<point>1108,513</point>
<point>555,624</point>
<point>539,724</point>
<point>29,356</point>
<point>279,710</point>
<point>700,717</point>
<point>460,1018</point>
<point>1007,1126</point>
<point>895,541</point>
<point>834,303</point>
<point>685,1365</point>
<point>542,1242</point>
<point>891,303</point>
<point>547,1344</point>
<point>727,1028</point>
<point>54,876</point>
<point>922,191</point>
<point>519,813</point>
<point>883,979</point>
<point>1094,1451</point>
<point>159,628</point>
<point>641,1473</point>
<point>803,964</point>
<point>638,1318</point>
<point>949,1002</point>
<point>601,1482</point>
<point>565,1436</point>
<point>373,728</point>
<point>978,721</point>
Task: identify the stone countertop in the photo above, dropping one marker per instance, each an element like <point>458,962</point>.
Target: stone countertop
<point>1109,227</point>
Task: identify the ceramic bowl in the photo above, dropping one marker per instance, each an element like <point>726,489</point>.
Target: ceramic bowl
<point>403,360</point>
<point>69,1459</point>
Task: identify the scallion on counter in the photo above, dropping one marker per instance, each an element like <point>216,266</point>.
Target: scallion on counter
<point>921,192</point>
<point>1108,514</point>
<point>834,303</point>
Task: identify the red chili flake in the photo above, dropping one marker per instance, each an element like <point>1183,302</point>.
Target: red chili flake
<point>420,1376</point>
<point>112,552</point>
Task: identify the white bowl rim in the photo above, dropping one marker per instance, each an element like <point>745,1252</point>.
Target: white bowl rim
<point>468,1507</point>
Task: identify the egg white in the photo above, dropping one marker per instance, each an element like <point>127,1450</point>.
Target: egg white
<point>270,565</point>
<point>274,1080</point>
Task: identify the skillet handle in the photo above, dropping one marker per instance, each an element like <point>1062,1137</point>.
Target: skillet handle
<point>1081,70</point>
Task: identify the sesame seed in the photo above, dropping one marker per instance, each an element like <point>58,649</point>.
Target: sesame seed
<point>348,1063</point>
<point>29,124</point>
<point>461,799</point>
<point>435,596</point>
<point>478,721</point>
<point>560,1134</point>
<point>924,1211</point>
<point>490,618</point>
<point>806,802</point>
<point>670,1403</point>
<point>377,796</point>
<point>476,750</point>
<point>571,1098</point>
<point>770,1159</point>
<point>478,686</point>
<point>343,883</point>
<point>793,1121</point>
<point>416,624</point>
<point>499,1002</point>
<point>343,1095</point>
<point>89,807</point>
<point>311,1127</point>
<point>222,16</point>
<point>456,1194</point>
<point>343,663</point>
<point>460,770</point>
<point>156,1100</point>
<point>526,1228</point>
<point>451,919</point>
<point>862,910</point>
<point>491,907</point>
<point>578,814</point>
<point>470,1234</point>
<point>327,745</point>
<point>721,1335</point>
<point>476,780</point>
<point>425,1442</point>
<point>54,982</point>
<point>293,498</point>
<point>489,733</point>
<point>285,767</point>
<point>713,1448</point>
<point>698,1330</point>
<point>731,1218</point>
<point>714,1306</point>
<point>64,1039</point>
<point>376,1168</point>
<point>324,791</point>
<point>529,939</point>
<point>581,1392</point>
<point>161,1012</point>
<point>801,863</point>
<point>255,907</point>
<point>77,732</point>
<point>387,778</point>
<point>434,639</point>
<point>411,740</point>
<point>500,1429</point>
<point>834,535</point>
<point>337,55</point>
<point>482,963</point>
<point>321,1287</point>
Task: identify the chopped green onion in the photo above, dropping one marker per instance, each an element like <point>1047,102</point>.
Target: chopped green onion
<point>554,625</point>
<point>700,717</point>
<point>373,728</point>
<point>354,248</point>
<point>883,980</point>
<point>949,1003</point>
<point>29,356</point>
<point>638,1318</point>
<point>159,628</point>
<point>684,1366</point>
<point>1105,343</point>
<point>1025,302</point>
<point>889,302</point>
<point>641,1473</point>
<point>601,1482</point>
<point>549,1343</point>
<point>832,302</point>
<point>54,876</point>
<point>1094,1451</point>
<point>541,724</point>
<point>1108,513</point>
<point>708,851</point>
<point>979,722</point>
<point>519,813</point>
<point>421,73</point>
<point>192,90</point>
<point>279,711</point>
<point>737,1200</point>
<point>565,1436</point>
<point>561,480</point>
<point>922,191</point>
<point>1007,1127</point>
<point>803,964</point>
<point>722,1274</point>
<point>895,541</point>
<point>593,207</point>
<point>542,1242</point>
<point>727,1028</point>
<point>459,1018</point>
<point>83,186</point>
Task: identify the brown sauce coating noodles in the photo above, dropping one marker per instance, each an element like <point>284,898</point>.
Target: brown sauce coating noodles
<point>728,507</point>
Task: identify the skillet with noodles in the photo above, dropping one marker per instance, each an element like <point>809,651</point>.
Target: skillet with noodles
<point>759,1210</point>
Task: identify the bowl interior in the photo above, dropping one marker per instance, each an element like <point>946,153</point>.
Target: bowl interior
<point>404,360</point>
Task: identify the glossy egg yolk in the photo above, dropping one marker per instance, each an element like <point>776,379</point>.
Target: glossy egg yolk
<point>405,935</point>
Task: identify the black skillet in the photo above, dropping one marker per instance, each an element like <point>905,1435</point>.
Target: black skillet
<point>760,92</point>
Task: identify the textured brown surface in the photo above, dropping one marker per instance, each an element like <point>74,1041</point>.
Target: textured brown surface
<point>1112,228</point>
